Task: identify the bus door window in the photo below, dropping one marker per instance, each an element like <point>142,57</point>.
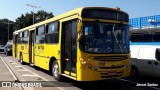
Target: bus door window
<point>70,45</point>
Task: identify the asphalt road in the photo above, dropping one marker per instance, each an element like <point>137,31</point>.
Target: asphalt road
<point>68,84</point>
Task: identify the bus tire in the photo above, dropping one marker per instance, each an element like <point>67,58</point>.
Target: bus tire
<point>21,59</point>
<point>134,71</point>
<point>55,71</point>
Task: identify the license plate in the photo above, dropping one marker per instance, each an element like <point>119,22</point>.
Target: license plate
<point>112,73</point>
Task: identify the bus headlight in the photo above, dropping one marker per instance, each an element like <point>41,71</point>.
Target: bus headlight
<point>83,62</point>
<point>95,68</point>
<point>89,66</point>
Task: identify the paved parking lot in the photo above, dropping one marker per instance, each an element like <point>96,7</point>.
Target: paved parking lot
<point>24,73</point>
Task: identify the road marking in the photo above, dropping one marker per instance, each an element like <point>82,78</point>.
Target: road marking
<point>14,63</point>
<point>10,62</point>
<point>18,66</point>
<point>135,83</point>
<point>10,71</point>
<point>40,77</point>
<point>30,75</point>
<point>22,70</point>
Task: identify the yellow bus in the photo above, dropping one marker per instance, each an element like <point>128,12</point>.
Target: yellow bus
<point>85,44</point>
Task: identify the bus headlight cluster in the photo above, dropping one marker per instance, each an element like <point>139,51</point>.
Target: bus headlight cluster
<point>83,62</point>
<point>95,68</point>
<point>89,66</point>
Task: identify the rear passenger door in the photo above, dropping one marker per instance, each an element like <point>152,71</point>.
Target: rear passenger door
<point>145,60</point>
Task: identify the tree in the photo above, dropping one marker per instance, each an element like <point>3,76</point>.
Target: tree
<point>27,19</point>
<point>4,30</point>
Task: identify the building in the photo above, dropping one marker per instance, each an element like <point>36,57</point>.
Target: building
<point>145,22</point>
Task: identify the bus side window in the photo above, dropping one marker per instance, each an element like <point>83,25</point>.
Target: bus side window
<point>157,54</point>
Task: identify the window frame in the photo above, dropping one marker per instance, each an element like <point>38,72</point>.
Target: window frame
<point>25,37</point>
<point>21,36</point>
<point>42,34</point>
<point>52,33</point>
<point>37,30</point>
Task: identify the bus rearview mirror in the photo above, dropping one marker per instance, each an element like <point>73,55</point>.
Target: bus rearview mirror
<point>79,28</point>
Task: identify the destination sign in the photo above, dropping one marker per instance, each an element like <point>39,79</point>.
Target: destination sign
<point>105,14</point>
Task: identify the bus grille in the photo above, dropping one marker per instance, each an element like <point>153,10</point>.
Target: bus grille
<point>105,75</point>
<point>112,67</point>
<point>110,58</point>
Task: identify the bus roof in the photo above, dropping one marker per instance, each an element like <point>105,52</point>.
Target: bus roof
<point>67,14</point>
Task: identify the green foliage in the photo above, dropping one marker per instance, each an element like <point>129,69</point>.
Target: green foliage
<point>23,21</point>
<point>4,30</point>
<point>4,26</point>
<point>27,19</point>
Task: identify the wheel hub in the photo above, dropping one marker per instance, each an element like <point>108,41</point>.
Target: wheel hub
<point>55,70</point>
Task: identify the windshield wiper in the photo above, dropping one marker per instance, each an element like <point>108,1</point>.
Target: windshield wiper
<point>113,29</point>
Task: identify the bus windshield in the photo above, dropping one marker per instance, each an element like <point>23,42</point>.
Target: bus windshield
<point>105,38</point>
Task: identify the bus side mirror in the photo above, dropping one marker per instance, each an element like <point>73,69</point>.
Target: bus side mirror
<point>79,36</point>
<point>79,30</point>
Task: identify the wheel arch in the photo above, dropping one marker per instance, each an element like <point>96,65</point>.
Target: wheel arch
<point>52,59</point>
<point>20,53</point>
<point>134,67</point>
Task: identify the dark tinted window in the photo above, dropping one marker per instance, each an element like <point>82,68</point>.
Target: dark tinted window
<point>40,30</point>
<point>40,35</point>
<point>52,35</point>
<point>19,40</point>
<point>26,34</point>
<point>20,34</point>
<point>25,40</point>
<point>40,39</point>
<point>104,14</point>
<point>52,38</point>
<point>23,37</point>
<point>53,27</point>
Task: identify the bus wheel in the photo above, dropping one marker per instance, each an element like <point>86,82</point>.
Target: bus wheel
<point>21,59</point>
<point>55,70</point>
<point>134,72</point>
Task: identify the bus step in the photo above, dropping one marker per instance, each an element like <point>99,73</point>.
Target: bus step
<point>32,64</point>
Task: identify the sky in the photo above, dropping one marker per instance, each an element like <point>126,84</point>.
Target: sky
<point>12,9</point>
